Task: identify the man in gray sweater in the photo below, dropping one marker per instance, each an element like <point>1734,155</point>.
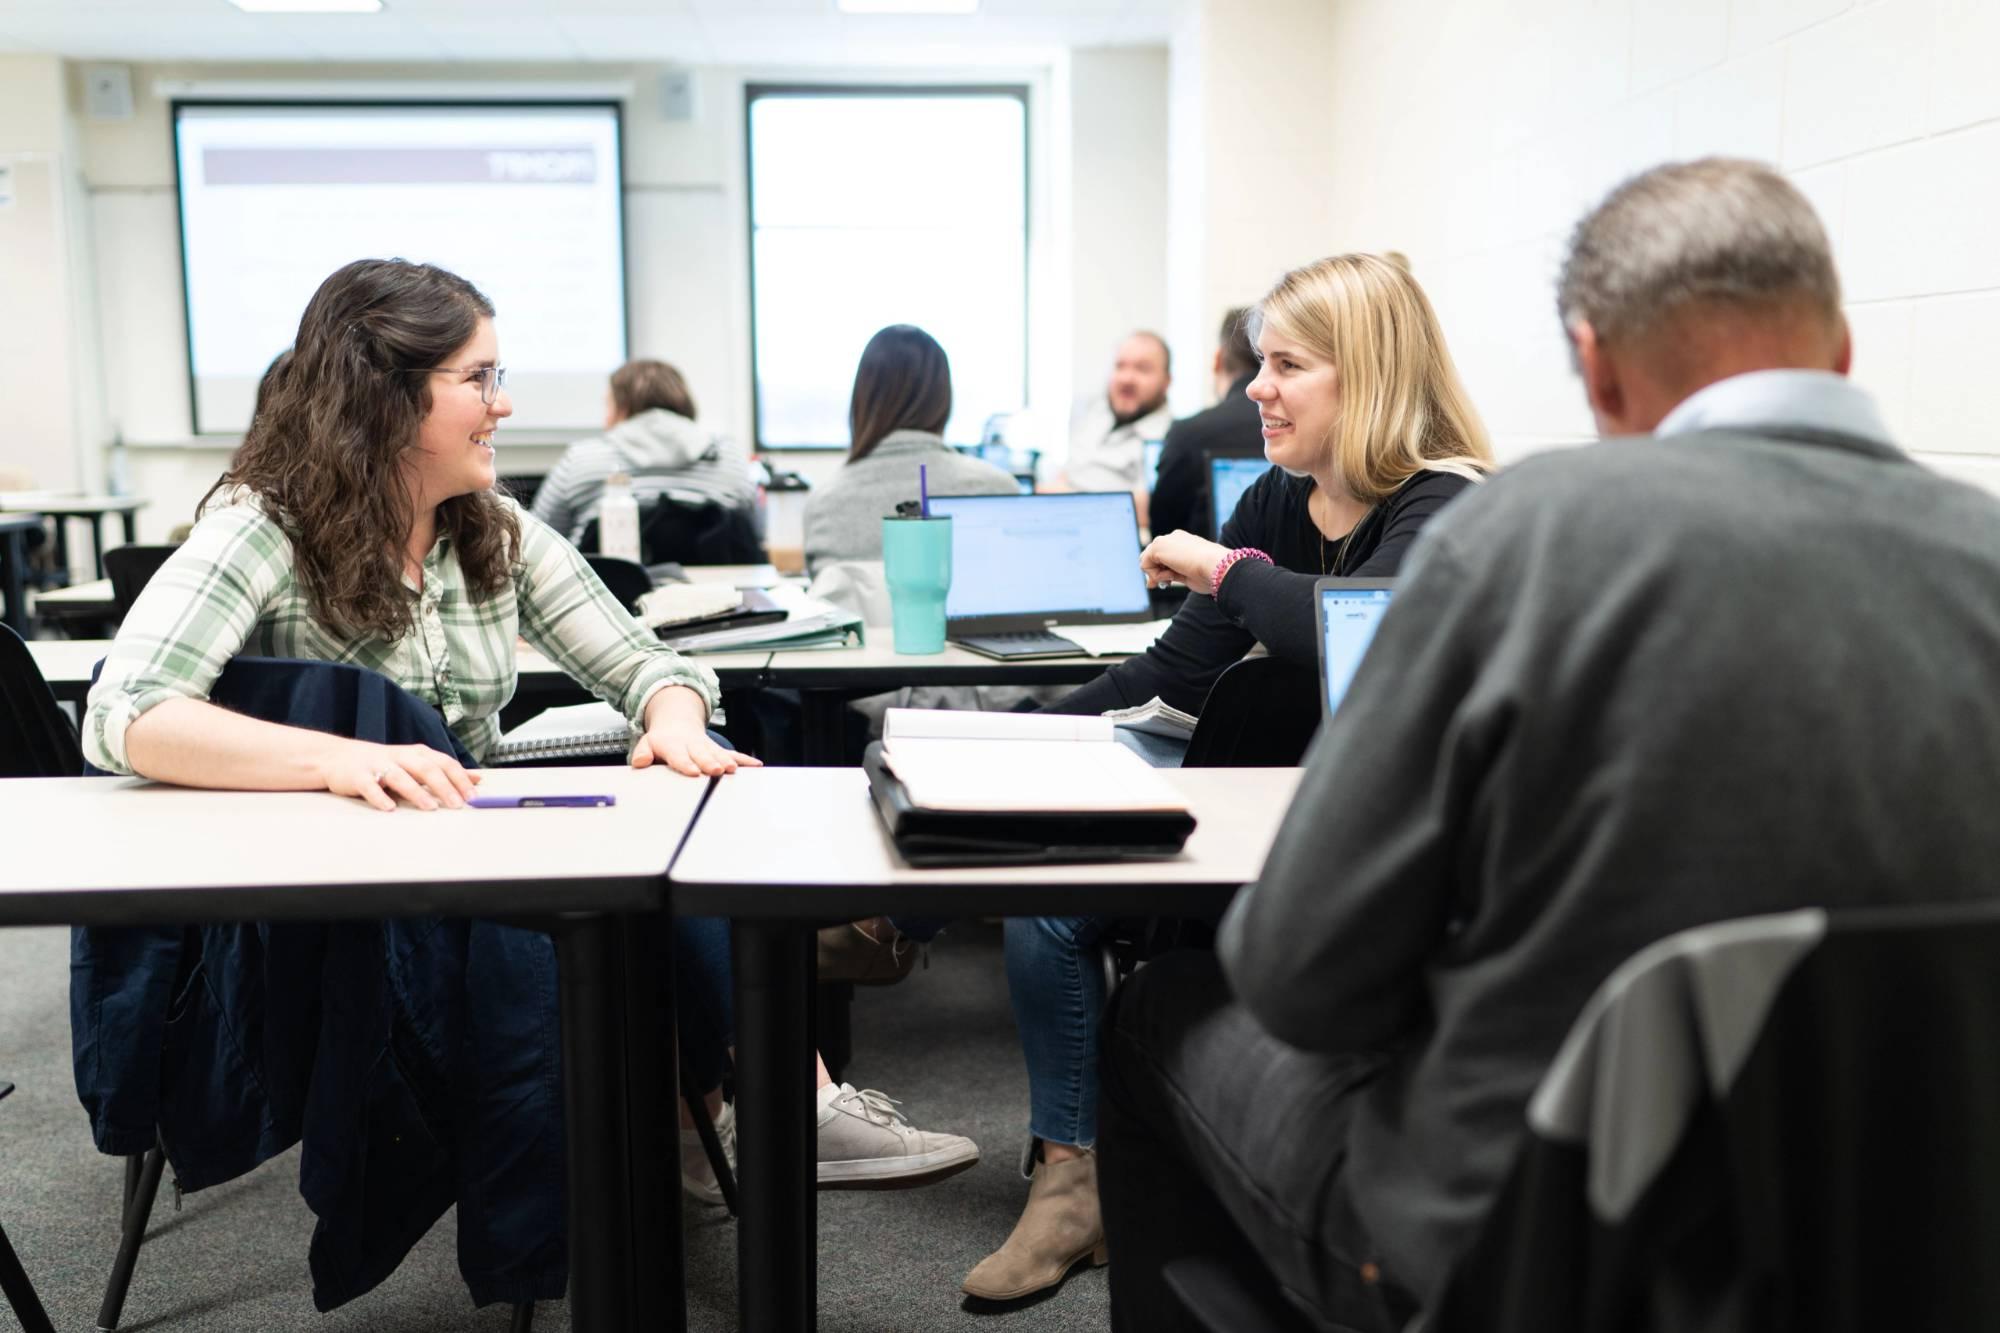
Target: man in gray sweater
<point>1738,662</point>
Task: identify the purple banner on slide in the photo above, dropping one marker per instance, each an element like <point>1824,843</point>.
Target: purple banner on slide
<point>541,164</point>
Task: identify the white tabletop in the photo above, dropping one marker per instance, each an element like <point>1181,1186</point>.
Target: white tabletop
<point>94,593</point>
<point>65,502</point>
<point>228,855</point>
<point>67,662</point>
<point>735,576</point>
<point>537,669</point>
<point>817,828</point>
<point>879,650</point>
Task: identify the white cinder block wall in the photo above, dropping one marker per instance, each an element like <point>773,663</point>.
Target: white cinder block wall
<point>1472,134</point>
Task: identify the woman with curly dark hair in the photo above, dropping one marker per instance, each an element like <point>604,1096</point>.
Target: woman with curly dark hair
<point>358,523</point>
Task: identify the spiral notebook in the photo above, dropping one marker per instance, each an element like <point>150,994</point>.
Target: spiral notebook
<point>576,731</point>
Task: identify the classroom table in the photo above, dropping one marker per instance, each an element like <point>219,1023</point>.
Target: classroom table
<point>66,665</point>
<point>827,678</point>
<point>14,530</point>
<point>82,610</point>
<point>62,506</point>
<point>834,862</point>
<point>582,875</point>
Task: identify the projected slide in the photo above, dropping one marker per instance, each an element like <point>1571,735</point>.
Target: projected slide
<point>522,201</point>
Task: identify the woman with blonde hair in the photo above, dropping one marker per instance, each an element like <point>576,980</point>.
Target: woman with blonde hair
<point>1371,434</point>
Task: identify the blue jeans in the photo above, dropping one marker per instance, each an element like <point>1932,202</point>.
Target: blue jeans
<point>1056,981</point>
<point>703,1014</point>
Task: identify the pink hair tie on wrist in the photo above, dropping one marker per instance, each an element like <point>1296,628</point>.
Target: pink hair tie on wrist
<point>1228,562</point>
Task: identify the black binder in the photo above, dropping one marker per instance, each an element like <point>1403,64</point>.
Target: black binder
<point>1012,837</point>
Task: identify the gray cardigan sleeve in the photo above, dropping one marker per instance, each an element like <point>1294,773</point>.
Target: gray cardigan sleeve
<point>1329,948</point>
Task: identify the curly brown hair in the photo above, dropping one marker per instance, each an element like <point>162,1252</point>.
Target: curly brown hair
<point>326,451</point>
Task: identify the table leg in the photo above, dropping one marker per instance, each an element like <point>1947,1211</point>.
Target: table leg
<point>97,543</point>
<point>590,962</point>
<point>60,526</point>
<point>13,579</point>
<point>652,1123</point>
<point>777,1225</point>
<point>130,521</point>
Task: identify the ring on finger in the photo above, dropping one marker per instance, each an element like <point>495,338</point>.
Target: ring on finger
<point>380,775</point>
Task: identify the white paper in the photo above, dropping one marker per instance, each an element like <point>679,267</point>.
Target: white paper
<point>1113,640</point>
<point>952,724</point>
<point>989,775</point>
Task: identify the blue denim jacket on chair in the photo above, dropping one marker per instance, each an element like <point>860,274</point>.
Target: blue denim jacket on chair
<point>417,1060</point>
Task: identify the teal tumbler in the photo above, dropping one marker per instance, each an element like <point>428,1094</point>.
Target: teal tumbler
<point>916,561</point>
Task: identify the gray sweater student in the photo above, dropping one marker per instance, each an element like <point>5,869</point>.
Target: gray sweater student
<point>651,436</point>
<point>901,401</point>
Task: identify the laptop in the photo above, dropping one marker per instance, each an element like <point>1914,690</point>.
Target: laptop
<point>1349,611</point>
<point>1021,563</point>
<point>1149,457</point>
<point>1229,475</point>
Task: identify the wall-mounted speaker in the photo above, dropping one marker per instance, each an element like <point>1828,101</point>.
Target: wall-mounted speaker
<point>107,92</point>
<point>678,95</point>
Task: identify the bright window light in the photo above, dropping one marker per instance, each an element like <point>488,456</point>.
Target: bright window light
<point>872,207</point>
<point>308,6</point>
<point>908,6</point>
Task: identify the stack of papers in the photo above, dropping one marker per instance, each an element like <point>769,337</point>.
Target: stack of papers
<point>678,603</point>
<point>1113,640</point>
<point>809,623</point>
<point>1155,717</point>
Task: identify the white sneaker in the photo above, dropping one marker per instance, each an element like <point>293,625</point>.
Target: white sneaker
<point>866,1144</point>
<point>697,1176</point>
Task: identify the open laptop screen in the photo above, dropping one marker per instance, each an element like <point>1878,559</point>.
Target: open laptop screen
<point>1228,478</point>
<point>1043,554</point>
<point>1349,611</point>
<point>1149,461</point>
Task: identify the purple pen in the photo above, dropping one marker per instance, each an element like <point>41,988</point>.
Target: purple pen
<point>538,802</point>
<point>923,490</point>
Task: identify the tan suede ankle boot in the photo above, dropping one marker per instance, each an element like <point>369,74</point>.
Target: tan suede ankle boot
<point>1060,1228</point>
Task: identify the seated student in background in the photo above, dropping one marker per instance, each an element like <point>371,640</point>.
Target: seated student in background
<point>1742,667</point>
<point>1371,435</point>
<point>650,435</point>
<point>1376,436</point>
<point>895,420</point>
<point>1179,501</point>
<point>358,524</point>
<point>1107,438</point>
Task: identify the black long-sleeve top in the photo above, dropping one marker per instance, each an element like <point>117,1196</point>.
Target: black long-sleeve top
<point>1180,491</point>
<point>1268,604</point>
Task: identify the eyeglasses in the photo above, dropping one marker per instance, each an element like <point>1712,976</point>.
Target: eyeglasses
<point>492,379</point>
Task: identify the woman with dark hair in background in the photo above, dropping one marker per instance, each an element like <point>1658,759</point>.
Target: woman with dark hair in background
<point>895,420</point>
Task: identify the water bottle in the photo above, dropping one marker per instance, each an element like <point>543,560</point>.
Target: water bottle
<point>618,519</point>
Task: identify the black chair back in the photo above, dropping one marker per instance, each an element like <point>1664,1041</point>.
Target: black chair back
<point>674,531</point>
<point>1260,713</point>
<point>1707,1151</point>
<point>131,568</point>
<point>36,739</point>
<point>626,581</point>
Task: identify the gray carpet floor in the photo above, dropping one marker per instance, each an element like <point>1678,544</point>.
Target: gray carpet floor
<point>234,1257</point>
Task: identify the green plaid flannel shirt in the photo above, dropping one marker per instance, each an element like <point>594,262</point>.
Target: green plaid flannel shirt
<point>230,590</point>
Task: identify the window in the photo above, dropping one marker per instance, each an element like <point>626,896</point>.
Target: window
<point>877,206</point>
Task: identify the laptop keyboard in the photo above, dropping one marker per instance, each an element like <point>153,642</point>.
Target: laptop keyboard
<point>1022,641</point>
